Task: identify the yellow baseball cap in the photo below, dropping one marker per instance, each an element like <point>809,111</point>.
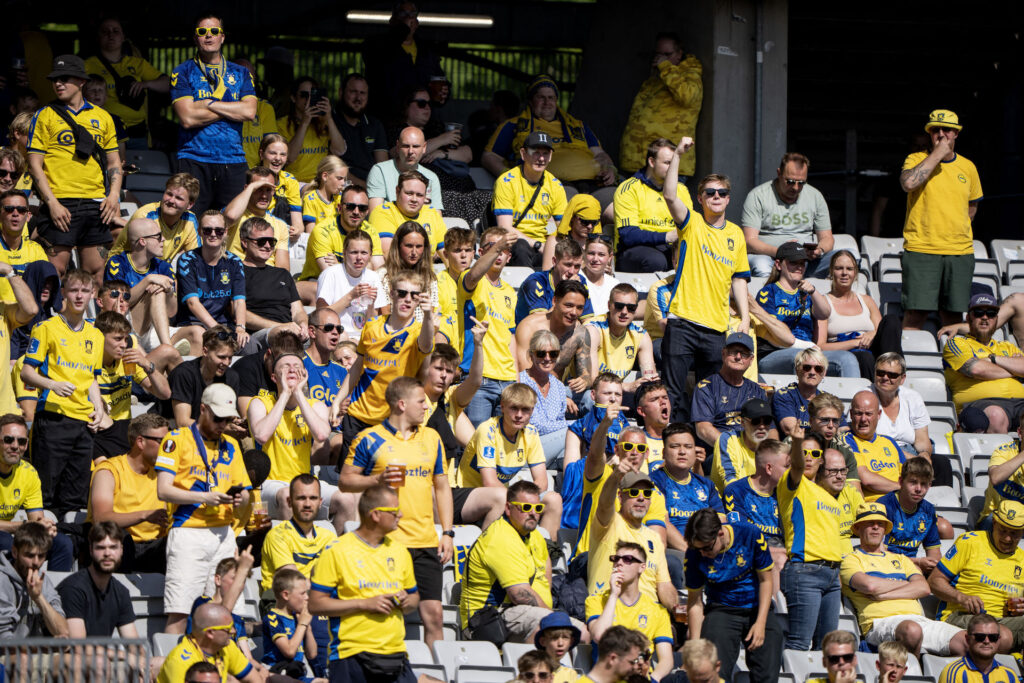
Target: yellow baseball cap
<point>1010,514</point>
<point>944,118</point>
<point>868,512</point>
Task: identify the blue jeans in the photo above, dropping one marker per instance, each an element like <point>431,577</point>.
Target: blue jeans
<point>813,599</point>
<point>553,445</point>
<point>840,363</point>
<point>486,402</point>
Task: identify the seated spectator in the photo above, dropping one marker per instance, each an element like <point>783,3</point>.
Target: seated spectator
<point>12,170</point>
<point>562,319</point>
<point>287,202</point>
<point>580,160</point>
<point>645,231</point>
<point>655,411</point>
<point>512,554</point>
<point>114,296</point>
<point>211,287</point>
<point>831,475</point>
<point>735,448</point>
<point>1011,312</point>
<point>731,563</point>
<point>556,637</point>
<point>825,417</point>
<point>552,396</point>
<point>879,457</point>
<point>915,526</point>
<point>255,370</point>
<point>255,200</point>
<point>123,491</point>
<point>839,657</point>
<point>753,499</point>
<point>1005,477</point>
<point>529,201</point>
<point>904,416</point>
<point>597,260</point>
<point>537,291</point>
<point>95,603</point>
<point>211,641</point>
<point>718,399</point>
<point>700,660</point>
<point>684,489</point>
<point>622,604</point>
<point>855,324</point>
<point>326,246</point>
<point>30,605</point>
<point>984,632</point>
<point>349,288</point>
<point>320,203</point>
<point>884,588</point>
<point>617,344</point>
<point>20,489</point>
<point>892,661</point>
<point>287,628</point>
<point>621,654</point>
<point>980,574</point>
<point>190,379</point>
<point>983,373</point>
<point>366,141</point>
<point>324,375</point>
<point>272,302</point>
<point>581,220</point>
<point>173,214</point>
<point>409,207</point>
<point>787,209</point>
<point>537,665</point>
<point>794,300</point>
<point>309,129</point>
<point>382,182</point>
<point>789,404</point>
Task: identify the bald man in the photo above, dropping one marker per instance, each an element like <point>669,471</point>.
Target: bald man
<point>383,177</point>
<point>879,458</point>
<point>212,640</point>
<point>149,277</point>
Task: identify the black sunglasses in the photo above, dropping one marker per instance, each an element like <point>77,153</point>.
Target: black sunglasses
<point>330,327</point>
<point>403,293</point>
<point>154,439</point>
<point>845,658</point>
<point>982,637</point>
<point>219,420</point>
<point>712,191</point>
<point>22,441</point>
<point>264,241</point>
<point>628,559</point>
<point>889,375</point>
<point>9,174</point>
<point>761,421</point>
<point>791,182</point>
<point>619,305</point>
<point>219,232</point>
<point>351,206</point>
<point>14,208</point>
<point>120,294</point>
<point>422,104</point>
<point>587,224</point>
<point>977,312</point>
<point>546,354</point>
<point>224,336</point>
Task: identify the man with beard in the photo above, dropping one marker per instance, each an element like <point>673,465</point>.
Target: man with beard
<point>94,602</point>
<point>29,602</point>
<point>366,141</point>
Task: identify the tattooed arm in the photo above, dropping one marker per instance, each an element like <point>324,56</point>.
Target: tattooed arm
<point>993,367</point>
<point>913,178</point>
<point>523,594</point>
<point>578,348</point>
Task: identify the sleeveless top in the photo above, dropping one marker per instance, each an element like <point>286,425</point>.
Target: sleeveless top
<point>841,326</point>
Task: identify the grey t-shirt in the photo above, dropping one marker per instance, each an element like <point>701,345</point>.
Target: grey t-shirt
<point>780,222</point>
<point>383,179</point>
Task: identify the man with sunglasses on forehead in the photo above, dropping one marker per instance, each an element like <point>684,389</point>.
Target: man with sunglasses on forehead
<point>149,277</point>
<point>979,665</point>
<point>983,373</point>
<point>212,97</point>
<point>787,209</point>
<point>272,302</point>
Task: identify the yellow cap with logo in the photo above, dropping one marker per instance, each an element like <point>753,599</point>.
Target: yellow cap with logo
<point>873,512</point>
<point>943,118</point>
<point>1010,514</point>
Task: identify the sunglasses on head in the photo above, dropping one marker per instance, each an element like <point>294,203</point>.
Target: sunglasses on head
<point>807,367</point>
<point>639,493</point>
<point>14,175</point>
<point>546,355</point>
<point>213,31</point>
<point>330,327</point>
<point>219,232</point>
<point>406,293</point>
<point>628,446</point>
<point>529,507</point>
<point>22,441</point>
<point>712,191</point>
<point>887,374</point>
<point>14,208</point>
<point>421,103</point>
<point>628,559</point>
<point>982,637</point>
<point>264,241</point>
<point>846,658</point>
<point>619,305</point>
<point>791,182</point>
<point>352,206</point>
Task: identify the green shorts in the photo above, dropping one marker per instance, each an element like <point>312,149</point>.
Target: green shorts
<point>937,282</point>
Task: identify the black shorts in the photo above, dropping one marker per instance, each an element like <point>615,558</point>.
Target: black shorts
<point>348,670</point>
<point>350,428</point>
<point>426,565</point>
<point>459,498</point>
<point>87,229</point>
<point>1013,407</point>
<point>111,441</point>
<point>61,451</point>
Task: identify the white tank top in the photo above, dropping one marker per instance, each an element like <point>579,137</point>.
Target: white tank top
<point>842,324</point>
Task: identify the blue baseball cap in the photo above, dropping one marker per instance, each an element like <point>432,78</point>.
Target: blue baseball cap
<point>982,301</point>
<point>556,620</point>
<point>740,338</point>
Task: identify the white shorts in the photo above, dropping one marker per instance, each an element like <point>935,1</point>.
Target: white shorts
<point>192,557</point>
<point>149,341</point>
<point>268,494</point>
<point>936,634</point>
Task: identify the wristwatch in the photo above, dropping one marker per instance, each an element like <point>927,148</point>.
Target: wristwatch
<point>450,533</point>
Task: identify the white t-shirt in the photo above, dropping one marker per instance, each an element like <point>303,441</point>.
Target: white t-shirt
<point>599,293</point>
<point>913,415</point>
<point>335,282</point>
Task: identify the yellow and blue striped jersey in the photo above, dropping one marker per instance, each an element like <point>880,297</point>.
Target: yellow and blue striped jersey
<point>733,460</point>
<point>387,355</point>
<point>645,615</point>
<point>656,513</point>
<point>254,131</point>
<point>881,455</point>
<point>964,670</point>
<point>230,660</point>
<point>291,446</point>
<point>315,208</point>
<point>602,546</point>
<point>116,389</point>
<point>285,544</point>
<point>234,240</point>
<point>137,69</point>
<point>66,355</point>
<point>642,217</point>
<point>28,252</point>
<point>1012,488</point>
<point>617,355</point>
<point>962,348</point>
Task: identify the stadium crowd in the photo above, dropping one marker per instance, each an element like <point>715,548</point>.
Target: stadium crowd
<point>317,361</point>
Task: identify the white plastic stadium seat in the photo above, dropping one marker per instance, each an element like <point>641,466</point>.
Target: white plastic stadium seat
<point>1004,251</point>
<point>484,674</point>
<point>930,387</point>
<point>514,275</point>
<point>844,388</point>
<point>847,242</point>
<point>778,381</point>
<point>979,250</point>
<point>866,662</point>
<point>921,341</point>
<point>419,652</point>
<point>455,222</point>
<point>163,643</point>
<point>874,247</point>
<point>803,665</point>
<point>452,655</point>
<point>933,664</point>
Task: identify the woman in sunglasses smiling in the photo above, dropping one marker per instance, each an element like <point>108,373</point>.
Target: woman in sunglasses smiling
<point>553,397</point>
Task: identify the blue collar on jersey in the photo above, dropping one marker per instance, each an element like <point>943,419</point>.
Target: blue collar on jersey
<point>201,448</point>
<point>642,177</point>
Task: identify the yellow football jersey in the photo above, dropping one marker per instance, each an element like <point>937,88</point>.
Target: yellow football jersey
<point>254,131</point>
<point>1012,488</point>
<point>133,492</point>
<point>733,460</point>
<point>70,177</point>
<point>490,449</point>
<point>116,388</point>
<point>285,544</point>
<point>976,567</point>
<point>385,220</point>
<point>20,490</point>
<point>230,660</point>
<point>512,193</point>
<point>881,455</point>
<point>178,238</point>
<point>314,148</point>
<point>617,355</point>
<point>962,348</point>
<point>964,670</point>
<point>937,219</point>
<point>810,521</point>
<point>315,208</point>
<point>27,252</point>
<point>656,513</point>
<point>291,446</point>
<point>882,565</point>
<point>602,546</point>
<point>646,615</point>
<point>387,355</point>
<point>641,205</point>
<point>234,240</point>
<point>496,303</point>
<point>11,382</point>
<point>66,355</point>
<point>134,67</point>
<point>849,499</point>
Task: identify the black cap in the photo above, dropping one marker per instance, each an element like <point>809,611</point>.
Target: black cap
<point>740,338</point>
<point>68,65</point>
<point>791,251</point>
<point>538,138</point>
<point>755,408</point>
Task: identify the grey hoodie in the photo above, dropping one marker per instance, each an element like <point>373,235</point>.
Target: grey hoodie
<point>19,615</point>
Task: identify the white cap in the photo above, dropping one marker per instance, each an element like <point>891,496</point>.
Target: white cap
<point>220,399</point>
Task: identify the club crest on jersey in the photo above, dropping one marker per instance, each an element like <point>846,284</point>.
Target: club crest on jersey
<point>896,563</point>
<point>391,564</point>
<point>630,352</point>
<point>225,278</point>
<point>230,78</point>
<point>1016,572</point>
<point>88,346</point>
<point>701,495</point>
<point>740,560</point>
<point>731,243</point>
<point>642,621</point>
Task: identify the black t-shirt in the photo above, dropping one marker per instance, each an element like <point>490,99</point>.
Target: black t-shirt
<point>103,611</point>
<point>269,293</point>
<point>187,383</point>
<point>253,375</point>
<point>362,139</point>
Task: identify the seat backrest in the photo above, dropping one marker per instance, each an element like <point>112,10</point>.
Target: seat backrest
<point>932,665</point>
<point>511,652</point>
<point>874,247</point>
<point>866,665</point>
<point>163,643</point>
<point>419,652</point>
<point>919,340</point>
<point>465,652</point>
<point>484,674</point>
<point>844,388</point>
<point>803,664</point>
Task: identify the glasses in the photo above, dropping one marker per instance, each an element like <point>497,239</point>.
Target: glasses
<point>422,104</point>
<point>977,312</point>
<point>761,421</point>
<point>330,327</point>
<point>628,559</point>
<point>619,305</point>
<point>264,241</point>
<point>546,355</point>
<point>982,637</point>
<point>641,658</point>
<point>539,675</point>
<point>845,658</point>
<point>797,183</point>
<point>116,294</point>
<point>218,419</point>
<point>219,232</point>
<point>12,208</point>
<point>888,375</point>
<point>737,351</point>
<point>159,237</point>
<point>807,367</point>
<point>154,439</point>
<point>352,206</point>
<point>639,493</point>
<point>588,224</point>
<point>628,446</point>
<point>712,191</point>
<point>393,511</point>
<point>837,471</point>
<point>22,441</point>
<point>9,174</point>
<point>813,452</point>
<point>828,420</point>
<point>226,627</point>
<point>529,507</point>
<point>202,31</point>
<point>406,293</point>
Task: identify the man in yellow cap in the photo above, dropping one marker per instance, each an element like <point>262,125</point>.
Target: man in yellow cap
<point>885,587</point>
<point>943,190</point>
<point>984,572</point>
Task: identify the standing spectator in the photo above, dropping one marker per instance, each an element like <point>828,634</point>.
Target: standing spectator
<point>211,642</point>
<point>879,457</point>
<point>190,379</point>
<point>655,411</point>
<point>349,287</point>
<point>298,544</point>
<point>753,499</point>
<point>400,59</point>
<point>789,404</point>
<point>825,413</point>
<point>943,190</point>
<point>212,98</point>
<point>128,79</point>
<point>666,106</point>
<point>271,300</point>
<point>173,214</point>
<point>552,396</point>
<point>645,231</point>
<point>983,631</point>
<point>200,534</point>
<point>365,583</point>
<point>717,400</point>
<point>617,344</point>
<point>78,178</point>
<point>915,526</point>
<point>731,563</point>
<point>382,181</point>
<point>735,449</point>
<point>831,476</point>
<point>714,264</point>
<point>309,129</point>
<point>255,200</point>
<point>71,407</point>
<point>29,602</point>
<point>787,209</point>
<point>95,603</point>
<point>366,140</point>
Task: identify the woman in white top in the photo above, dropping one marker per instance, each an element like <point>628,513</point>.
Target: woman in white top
<point>350,289</point>
<point>596,258</point>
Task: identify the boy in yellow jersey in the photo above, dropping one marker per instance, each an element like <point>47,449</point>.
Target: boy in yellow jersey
<point>64,360</point>
<point>981,573</point>
<point>200,471</point>
<point>556,637</point>
<point>617,344</point>
<point>810,523</point>
<point>121,366</point>
<point>409,457</point>
<point>711,263</point>
<point>483,294</point>
<point>409,205</point>
<point>389,347</point>
<point>621,654</point>
<point>255,200</point>
<point>499,449</point>
<point>622,604</point>
<point>459,250</point>
<point>979,664</point>
<point>123,491</point>
<point>365,583</point>
<point>529,201</point>
<point>173,214</point>
<point>210,641</point>
<point>879,457</point>
<point>69,171</point>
